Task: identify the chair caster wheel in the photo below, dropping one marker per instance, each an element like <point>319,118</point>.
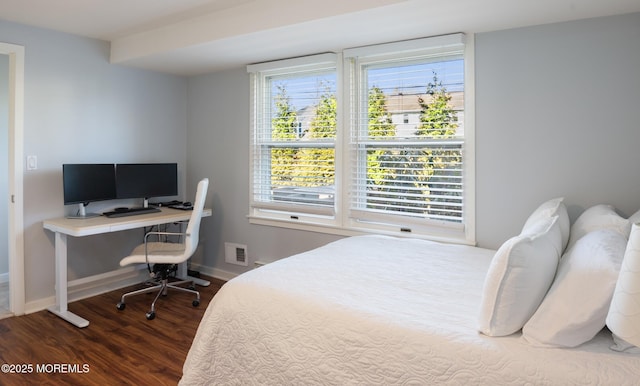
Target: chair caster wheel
<point>120,306</point>
<point>151,315</point>
<point>196,303</point>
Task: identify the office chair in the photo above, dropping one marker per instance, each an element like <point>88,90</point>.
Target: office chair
<point>162,258</point>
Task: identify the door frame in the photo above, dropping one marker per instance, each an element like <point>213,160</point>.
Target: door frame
<point>16,196</point>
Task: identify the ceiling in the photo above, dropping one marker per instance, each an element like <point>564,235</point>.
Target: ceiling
<point>189,37</point>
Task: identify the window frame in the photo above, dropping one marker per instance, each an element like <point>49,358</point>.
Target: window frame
<point>340,222</point>
<point>288,212</point>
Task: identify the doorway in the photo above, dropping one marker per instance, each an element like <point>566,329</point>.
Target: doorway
<point>4,186</point>
<point>12,178</point>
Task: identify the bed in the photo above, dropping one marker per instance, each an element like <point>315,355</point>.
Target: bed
<point>379,310</point>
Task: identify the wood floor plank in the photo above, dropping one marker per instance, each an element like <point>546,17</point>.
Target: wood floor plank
<point>117,348</point>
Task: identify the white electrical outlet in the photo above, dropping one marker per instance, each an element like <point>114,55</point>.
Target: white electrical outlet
<point>236,254</point>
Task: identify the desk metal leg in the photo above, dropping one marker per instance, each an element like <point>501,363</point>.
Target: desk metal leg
<point>183,272</point>
<point>198,281</point>
<point>183,275</point>
<point>60,308</point>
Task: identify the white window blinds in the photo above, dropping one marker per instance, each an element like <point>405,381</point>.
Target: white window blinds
<point>294,136</point>
<point>371,139</point>
<point>407,133</point>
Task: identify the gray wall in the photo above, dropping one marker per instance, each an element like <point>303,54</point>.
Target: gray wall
<point>557,115</point>
<point>218,143</point>
<point>79,108</point>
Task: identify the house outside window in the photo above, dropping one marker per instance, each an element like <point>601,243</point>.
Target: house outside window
<point>372,139</point>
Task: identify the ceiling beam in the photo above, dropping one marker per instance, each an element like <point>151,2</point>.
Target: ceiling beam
<point>244,19</point>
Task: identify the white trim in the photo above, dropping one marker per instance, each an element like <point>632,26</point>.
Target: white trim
<point>341,141</point>
<point>433,44</point>
<point>340,222</point>
<point>94,285</point>
<point>470,138</point>
<point>303,63</point>
<point>213,272</point>
<point>259,73</point>
<point>416,51</point>
<point>288,209</point>
<point>354,230</point>
<point>16,204</point>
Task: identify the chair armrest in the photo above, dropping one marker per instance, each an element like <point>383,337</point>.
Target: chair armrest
<point>164,234</point>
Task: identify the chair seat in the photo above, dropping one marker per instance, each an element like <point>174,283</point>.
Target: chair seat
<point>159,253</point>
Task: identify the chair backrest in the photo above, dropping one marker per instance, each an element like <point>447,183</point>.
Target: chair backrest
<point>193,228</point>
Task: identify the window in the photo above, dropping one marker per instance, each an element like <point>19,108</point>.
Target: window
<point>373,139</point>
<point>294,136</point>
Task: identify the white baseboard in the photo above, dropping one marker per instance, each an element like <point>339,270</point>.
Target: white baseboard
<point>213,272</point>
<point>109,281</point>
<point>93,285</point>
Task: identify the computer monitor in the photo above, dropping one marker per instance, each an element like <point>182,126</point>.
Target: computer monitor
<point>146,180</point>
<point>85,183</point>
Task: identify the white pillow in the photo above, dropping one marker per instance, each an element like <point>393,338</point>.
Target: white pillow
<point>576,307</point>
<point>634,218</point>
<point>623,318</point>
<point>553,207</point>
<point>598,217</point>
<point>518,278</point>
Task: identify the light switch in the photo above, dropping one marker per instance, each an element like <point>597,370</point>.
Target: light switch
<point>32,162</point>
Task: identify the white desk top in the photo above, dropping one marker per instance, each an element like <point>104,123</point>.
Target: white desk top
<point>102,224</point>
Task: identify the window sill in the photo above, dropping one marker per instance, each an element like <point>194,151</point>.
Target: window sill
<point>446,237</point>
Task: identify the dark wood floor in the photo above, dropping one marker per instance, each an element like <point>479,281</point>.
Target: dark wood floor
<point>117,348</point>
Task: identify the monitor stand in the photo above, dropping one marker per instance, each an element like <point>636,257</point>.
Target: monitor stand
<point>82,212</point>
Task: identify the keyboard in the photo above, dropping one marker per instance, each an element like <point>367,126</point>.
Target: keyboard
<point>130,212</point>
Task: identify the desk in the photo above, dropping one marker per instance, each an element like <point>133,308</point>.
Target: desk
<point>63,227</point>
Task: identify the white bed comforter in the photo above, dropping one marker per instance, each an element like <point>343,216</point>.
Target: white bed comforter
<point>375,310</point>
